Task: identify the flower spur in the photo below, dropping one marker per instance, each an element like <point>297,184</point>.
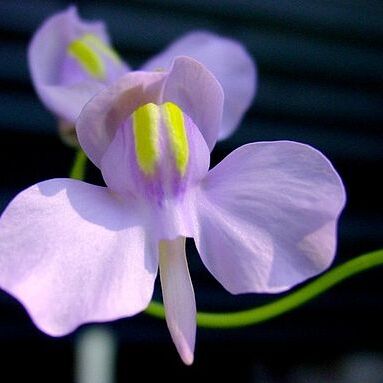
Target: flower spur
<point>263,220</point>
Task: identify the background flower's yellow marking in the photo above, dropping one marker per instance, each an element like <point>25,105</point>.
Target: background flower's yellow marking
<point>175,124</point>
<point>95,42</point>
<point>146,137</point>
<point>87,58</point>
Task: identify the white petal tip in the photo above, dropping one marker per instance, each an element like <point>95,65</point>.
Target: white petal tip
<point>187,357</point>
<point>185,349</point>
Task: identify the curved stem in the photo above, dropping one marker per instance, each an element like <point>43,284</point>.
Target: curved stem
<point>285,304</point>
<point>78,168</point>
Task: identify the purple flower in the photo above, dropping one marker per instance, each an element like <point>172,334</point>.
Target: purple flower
<point>71,60</point>
<point>263,220</point>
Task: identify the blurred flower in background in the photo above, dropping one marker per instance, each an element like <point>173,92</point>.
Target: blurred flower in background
<point>70,60</point>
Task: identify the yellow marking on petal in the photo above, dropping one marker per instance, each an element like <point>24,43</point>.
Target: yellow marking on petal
<point>87,58</point>
<point>146,137</point>
<point>175,124</point>
<point>93,40</point>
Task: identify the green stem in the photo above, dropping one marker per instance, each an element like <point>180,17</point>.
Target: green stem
<point>285,304</point>
<point>269,310</point>
<point>78,168</point>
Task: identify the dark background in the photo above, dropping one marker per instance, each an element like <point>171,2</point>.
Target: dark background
<point>320,78</point>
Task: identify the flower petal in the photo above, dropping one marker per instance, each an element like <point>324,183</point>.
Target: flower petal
<point>229,62</point>
<point>186,84</point>
<point>164,190</point>
<point>267,216</point>
<point>192,87</point>
<point>103,115</point>
<point>67,102</point>
<point>58,79</point>
<point>178,297</point>
<point>72,253</point>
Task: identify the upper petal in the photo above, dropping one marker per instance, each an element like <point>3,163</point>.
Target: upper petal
<point>188,84</point>
<point>62,83</point>
<point>191,86</point>
<point>72,253</point>
<point>229,62</point>
<point>108,110</point>
<point>267,216</point>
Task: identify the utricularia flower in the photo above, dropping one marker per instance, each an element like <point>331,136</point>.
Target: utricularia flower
<point>71,60</point>
<point>263,220</point>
